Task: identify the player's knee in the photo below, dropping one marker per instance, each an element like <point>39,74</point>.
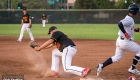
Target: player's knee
<point>115,58</point>
<point>53,53</point>
<point>138,54</point>
<point>66,69</point>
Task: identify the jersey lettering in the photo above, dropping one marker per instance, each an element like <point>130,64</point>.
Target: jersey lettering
<point>26,18</point>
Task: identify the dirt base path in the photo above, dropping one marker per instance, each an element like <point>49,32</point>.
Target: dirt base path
<point>19,59</point>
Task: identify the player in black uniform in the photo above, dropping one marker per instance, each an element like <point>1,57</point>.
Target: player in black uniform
<point>65,48</point>
<point>44,20</point>
<point>26,24</point>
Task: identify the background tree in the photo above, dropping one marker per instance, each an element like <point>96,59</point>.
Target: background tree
<point>137,2</point>
<point>3,4</point>
<point>105,4</point>
<point>84,4</point>
<point>31,4</point>
<point>122,5</point>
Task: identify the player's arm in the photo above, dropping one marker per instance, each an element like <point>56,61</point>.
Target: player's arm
<point>30,22</point>
<point>47,43</point>
<point>46,20</point>
<point>41,17</point>
<point>51,45</point>
<point>21,23</point>
<point>120,25</point>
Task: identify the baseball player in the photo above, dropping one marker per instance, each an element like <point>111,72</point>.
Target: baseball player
<point>26,24</point>
<point>44,20</point>
<point>125,42</point>
<point>66,48</point>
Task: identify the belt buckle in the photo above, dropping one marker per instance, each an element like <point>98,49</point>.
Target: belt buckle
<point>122,38</point>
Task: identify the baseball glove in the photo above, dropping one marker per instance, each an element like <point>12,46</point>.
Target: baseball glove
<point>137,29</point>
<point>30,26</point>
<point>33,45</point>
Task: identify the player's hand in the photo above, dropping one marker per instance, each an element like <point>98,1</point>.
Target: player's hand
<point>127,35</point>
<point>137,29</point>
<point>30,26</point>
<point>21,26</point>
<point>37,48</point>
<point>47,21</point>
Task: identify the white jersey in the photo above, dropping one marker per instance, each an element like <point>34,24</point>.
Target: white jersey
<point>128,23</point>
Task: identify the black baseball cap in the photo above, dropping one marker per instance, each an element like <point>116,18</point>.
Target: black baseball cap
<point>24,8</point>
<point>52,28</point>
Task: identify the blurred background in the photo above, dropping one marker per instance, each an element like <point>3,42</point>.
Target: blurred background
<point>66,11</point>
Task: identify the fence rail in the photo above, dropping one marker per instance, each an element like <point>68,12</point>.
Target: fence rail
<point>107,16</point>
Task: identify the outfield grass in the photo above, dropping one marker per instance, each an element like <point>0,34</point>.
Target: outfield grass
<point>80,31</point>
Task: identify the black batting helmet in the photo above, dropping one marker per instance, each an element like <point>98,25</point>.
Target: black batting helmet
<point>133,8</point>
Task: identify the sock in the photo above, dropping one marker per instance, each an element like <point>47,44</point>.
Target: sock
<point>135,62</point>
<point>107,62</point>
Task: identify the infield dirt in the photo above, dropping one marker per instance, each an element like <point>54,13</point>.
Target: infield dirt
<point>19,59</point>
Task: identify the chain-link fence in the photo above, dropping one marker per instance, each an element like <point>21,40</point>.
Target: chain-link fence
<point>67,16</point>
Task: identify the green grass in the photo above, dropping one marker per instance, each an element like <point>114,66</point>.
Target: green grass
<point>78,31</point>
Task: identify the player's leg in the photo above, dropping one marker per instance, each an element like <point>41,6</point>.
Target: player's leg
<point>23,28</point>
<point>55,60</point>
<point>67,55</point>
<point>55,64</point>
<point>30,33</point>
<point>43,23</point>
<point>135,48</point>
<point>118,55</point>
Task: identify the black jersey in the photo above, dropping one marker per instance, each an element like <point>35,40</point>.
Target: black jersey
<point>44,17</point>
<point>61,40</point>
<point>26,18</point>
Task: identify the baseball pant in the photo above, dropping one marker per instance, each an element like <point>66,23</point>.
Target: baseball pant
<point>25,27</point>
<point>67,55</point>
<point>43,22</point>
<point>122,46</point>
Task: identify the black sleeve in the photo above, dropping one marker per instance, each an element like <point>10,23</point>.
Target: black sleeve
<point>121,27</point>
<point>30,17</point>
<point>55,36</point>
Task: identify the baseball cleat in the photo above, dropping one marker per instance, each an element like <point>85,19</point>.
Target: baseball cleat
<point>18,41</point>
<point>99,69</point>
<point>85,72</point>
<point>133,71</point>
<point>32,41</point>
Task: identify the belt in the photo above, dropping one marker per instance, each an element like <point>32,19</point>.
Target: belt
<point>122,38</point>
<point>72,46</point>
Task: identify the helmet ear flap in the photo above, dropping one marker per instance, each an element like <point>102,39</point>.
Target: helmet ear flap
<point>132,11</point>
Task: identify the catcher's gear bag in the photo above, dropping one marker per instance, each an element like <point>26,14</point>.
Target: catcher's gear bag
<point>33,45</point>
